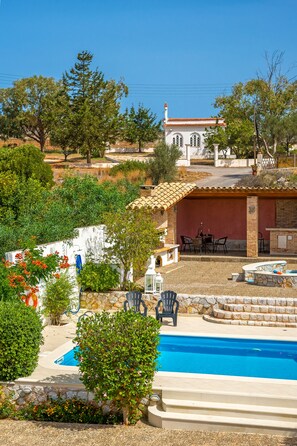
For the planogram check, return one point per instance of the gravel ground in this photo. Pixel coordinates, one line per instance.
(213, 278)
(20, 433)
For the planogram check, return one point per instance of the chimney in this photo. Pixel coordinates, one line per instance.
(147, 190)
(165, 113)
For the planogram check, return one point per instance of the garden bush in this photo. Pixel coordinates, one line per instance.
(26, 161)
(7, 408)
(57, 296)
(98, 277)
(71, 410)
(118, 358)
(20, 340)
(129, 166)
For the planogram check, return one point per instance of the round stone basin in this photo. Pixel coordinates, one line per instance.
(272, 274)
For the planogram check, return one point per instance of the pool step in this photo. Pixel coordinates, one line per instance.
(207, 410)
(270, 312)
(189, 421)
(230, 409)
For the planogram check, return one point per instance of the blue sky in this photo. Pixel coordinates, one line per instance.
(184, 53)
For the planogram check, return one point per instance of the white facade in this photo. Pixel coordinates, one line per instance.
(189, 132)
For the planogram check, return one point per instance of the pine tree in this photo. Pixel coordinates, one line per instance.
(141, 126)
(94, 104)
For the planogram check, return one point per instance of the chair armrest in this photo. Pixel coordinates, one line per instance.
(176, 304)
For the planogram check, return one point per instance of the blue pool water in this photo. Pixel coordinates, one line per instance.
(222, 356)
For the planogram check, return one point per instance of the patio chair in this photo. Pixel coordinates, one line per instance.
(135, 302)
(220, 242)
(207, 243)
(260, 242)
(186, 241)
(167, 306)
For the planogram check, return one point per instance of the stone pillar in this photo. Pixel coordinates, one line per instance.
(171, 228)
(252, 227)
(188, 155)
(216, 154)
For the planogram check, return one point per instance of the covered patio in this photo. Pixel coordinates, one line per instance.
(256, 221)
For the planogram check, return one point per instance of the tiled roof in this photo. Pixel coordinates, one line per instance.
(247, 188)
(163, 196)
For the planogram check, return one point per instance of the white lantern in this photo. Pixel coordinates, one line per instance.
(150, 277)
(159, 283)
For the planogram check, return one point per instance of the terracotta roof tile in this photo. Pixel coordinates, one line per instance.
(163, 196)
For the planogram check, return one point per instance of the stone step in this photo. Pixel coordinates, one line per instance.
(194, 421)
(249, 316)
(263, 323)
(271, 301)
(249, 308)
(227, 409)
(246, 395)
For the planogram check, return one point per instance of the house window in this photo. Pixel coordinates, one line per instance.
(195, 140)
(177, 140)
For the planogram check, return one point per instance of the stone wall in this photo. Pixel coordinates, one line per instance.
(27, 392)
(286, 213)
(114, 300)
(275, 280)
(23, 393)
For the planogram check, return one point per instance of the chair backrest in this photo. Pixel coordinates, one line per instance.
(134, 299)
(186, 239)
(168, 299)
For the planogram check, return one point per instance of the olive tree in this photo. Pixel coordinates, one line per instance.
(132, 236)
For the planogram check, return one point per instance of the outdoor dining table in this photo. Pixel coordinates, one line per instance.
(204, 243)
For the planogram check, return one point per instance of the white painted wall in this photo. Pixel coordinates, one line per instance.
(186, 132)
(234, 162)
(89, 241)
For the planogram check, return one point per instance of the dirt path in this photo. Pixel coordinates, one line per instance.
(20, 433)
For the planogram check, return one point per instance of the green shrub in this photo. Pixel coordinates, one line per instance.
(128, 166)
(7, 408)
(98, 277)
(26, 162)
(162, 168)
(118, 358)
(20, 340)
(132, 286)
(57, 296)
(71, 410)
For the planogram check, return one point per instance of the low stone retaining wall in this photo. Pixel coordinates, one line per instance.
(23, 393)
(114, 300)
(27, 392)
(283, 280)
(252, 268)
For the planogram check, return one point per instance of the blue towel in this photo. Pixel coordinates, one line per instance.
(78, 263)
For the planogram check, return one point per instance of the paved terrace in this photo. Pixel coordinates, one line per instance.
(206, 275)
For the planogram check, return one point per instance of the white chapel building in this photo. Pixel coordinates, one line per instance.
(188, 133)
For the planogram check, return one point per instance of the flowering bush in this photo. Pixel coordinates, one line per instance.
(20, 279)
(72, 410)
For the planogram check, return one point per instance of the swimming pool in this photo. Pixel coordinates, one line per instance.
(222, 356)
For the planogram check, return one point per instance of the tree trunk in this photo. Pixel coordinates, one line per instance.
(89, 159)
(42, 144)
(126, 416)
(139, 146)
